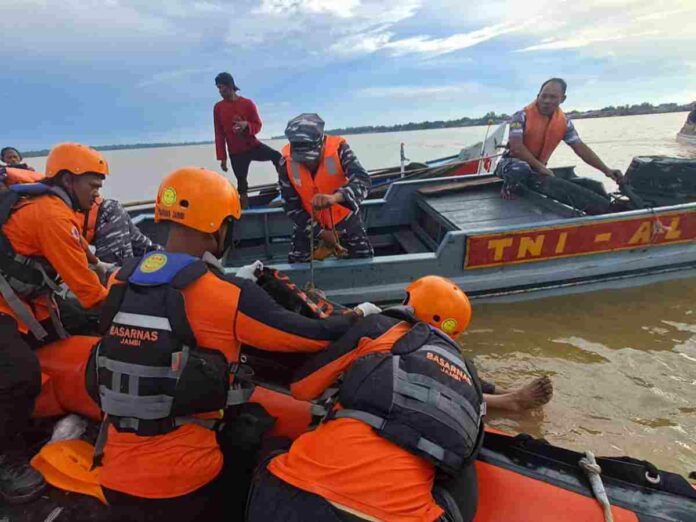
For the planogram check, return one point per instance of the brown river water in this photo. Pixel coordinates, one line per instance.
(623, 362)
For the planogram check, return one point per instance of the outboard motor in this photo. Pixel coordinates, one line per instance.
(662, 181)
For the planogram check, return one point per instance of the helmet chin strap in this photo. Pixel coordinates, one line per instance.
(70, 192)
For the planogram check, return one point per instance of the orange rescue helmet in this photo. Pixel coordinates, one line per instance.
(75, 158)
(197, 198)
(441, 303)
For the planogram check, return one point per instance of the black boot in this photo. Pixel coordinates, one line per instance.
(19, 482)
(244, 200)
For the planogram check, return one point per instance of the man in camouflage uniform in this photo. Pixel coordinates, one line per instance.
(116, 238)
(343, 231)
(531, 143)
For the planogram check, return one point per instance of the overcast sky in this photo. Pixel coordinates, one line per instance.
(124, 71)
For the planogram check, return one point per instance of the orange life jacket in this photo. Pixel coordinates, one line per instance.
(541, 133)
(328, 179)
(90, 222)
(15, 176)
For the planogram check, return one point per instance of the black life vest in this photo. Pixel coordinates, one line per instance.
(23, 277)
(148, 374)
(423, 396)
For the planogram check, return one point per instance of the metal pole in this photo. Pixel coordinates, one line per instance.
(483, 147)
(403, 160)
(311, 252)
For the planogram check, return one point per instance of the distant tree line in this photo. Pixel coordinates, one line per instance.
(44, 152)
(493, 118)
(488, 118)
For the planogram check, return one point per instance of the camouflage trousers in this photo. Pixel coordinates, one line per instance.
(583, 194)
(351, 234)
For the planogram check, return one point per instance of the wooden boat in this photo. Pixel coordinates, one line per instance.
(493, 248)
(479, 158)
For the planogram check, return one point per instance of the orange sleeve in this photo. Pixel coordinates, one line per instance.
(264, 324)
(376, 333)
(59, 240)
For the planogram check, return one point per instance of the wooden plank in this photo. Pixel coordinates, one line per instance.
(461, 186)
(410, 242)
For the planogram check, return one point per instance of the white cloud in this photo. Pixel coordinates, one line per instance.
(340, 8)
(456, 42)
(409, 91)
(174, 75)
(611, 27)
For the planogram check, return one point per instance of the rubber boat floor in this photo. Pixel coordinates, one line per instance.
(521, 479)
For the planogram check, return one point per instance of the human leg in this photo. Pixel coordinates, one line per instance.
(200, 505)
(240, 167)
(272, 499)
(353, 237)
(458, 495)
(20, 384)
(299, 247)
(531, 395)
(265, 153)
(514, 173)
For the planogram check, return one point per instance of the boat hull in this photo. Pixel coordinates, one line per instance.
(492, 248)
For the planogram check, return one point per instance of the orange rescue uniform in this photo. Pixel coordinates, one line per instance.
(45, 226)
(347, 463)
(223, 314)
(543, 134)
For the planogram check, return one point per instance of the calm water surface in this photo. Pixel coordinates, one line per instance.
(623, 361)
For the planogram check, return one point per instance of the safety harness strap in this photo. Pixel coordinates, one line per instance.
(21, 310)
(381, 424)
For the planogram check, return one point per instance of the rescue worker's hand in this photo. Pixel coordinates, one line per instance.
(329, 237)
(249, 271)
(545, 171)
(367, 308)
(616, 175)
(104, 270)
(223, 165)
(240, 126)
(321, 201)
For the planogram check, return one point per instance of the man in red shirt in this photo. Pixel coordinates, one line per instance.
(237, 122)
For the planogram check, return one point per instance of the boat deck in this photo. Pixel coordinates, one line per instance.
(485, 209)
(478, 207)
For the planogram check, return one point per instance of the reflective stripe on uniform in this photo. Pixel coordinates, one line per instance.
(143, 321)
(331, 167)
(370, 419)
(138, 370)
(432, 449)
(146, 407)
(296, 176)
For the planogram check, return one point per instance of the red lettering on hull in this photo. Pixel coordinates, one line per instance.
(523, 246)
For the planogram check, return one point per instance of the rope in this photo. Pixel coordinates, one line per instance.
(310, 283)
(339, 248)
(54, 514)
(589, 465)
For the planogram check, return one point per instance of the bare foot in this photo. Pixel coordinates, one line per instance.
(532, 395)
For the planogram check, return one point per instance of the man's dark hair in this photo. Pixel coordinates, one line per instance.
(559, 81)
(8, 149)
(225, 78)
